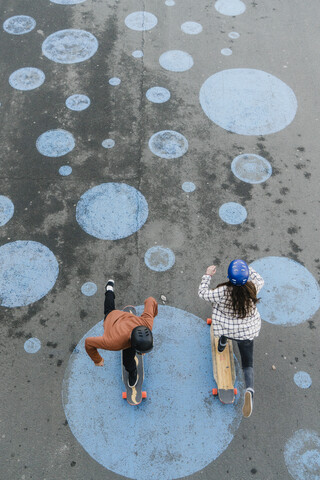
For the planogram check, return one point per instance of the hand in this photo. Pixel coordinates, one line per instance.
(211, 270)
(100, 364)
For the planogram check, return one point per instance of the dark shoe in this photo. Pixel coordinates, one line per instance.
(109, 285)
(133, 378)
(248, 403)
(221, 346)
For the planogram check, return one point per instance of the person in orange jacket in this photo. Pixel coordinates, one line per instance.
(124, 331)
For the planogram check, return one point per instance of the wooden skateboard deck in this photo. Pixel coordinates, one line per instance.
(223, 369)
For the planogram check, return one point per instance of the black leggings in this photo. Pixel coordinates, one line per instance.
(129, 353)
(246, 354)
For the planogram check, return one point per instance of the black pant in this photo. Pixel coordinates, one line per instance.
(129, 353)
(246, 354)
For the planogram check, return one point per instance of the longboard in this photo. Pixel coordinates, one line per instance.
(223, 369)
(135, 394)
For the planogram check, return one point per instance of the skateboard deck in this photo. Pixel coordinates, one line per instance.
(223, 369)
(133, 395)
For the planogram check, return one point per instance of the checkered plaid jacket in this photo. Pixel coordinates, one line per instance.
(224, 319)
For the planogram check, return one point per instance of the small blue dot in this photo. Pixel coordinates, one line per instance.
(233, 35)
(78, 102)
(232, 213)
(89, 289)
(137, 54)
(32, 345)
(302, 379)
(108, 143)
(158, 95)
(6, 210)
(188, 187)
(65, 170)
(159, 258)
(226, 51)
(114, 81)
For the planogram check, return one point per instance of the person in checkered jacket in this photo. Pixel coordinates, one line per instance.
(235, 315)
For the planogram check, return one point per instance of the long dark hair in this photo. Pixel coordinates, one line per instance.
(242, 297)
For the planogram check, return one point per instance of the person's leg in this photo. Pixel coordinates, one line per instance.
(109, 298)
(129, 363)
(246, 353)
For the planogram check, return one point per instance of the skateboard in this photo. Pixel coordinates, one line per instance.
(223, 369)
(133, 395)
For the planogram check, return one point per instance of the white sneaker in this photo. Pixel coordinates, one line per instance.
(248, 403)
(109, 285)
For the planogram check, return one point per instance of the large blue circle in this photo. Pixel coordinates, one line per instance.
(248, 101)
(302, 455)
(19, 24)
(6, 210)
(111, 211)
(291, 295)
(28, 271)
(27, 78)
(55, 143)
(178, 430)
(168, 144)
(70, 46)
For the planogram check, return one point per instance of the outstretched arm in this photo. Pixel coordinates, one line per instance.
(256, 279)
(91, 346)
(204, 291)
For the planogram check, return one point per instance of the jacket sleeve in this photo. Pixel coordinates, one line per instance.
(207, 293)
(256, 279)
(150, 311)
(91, 345)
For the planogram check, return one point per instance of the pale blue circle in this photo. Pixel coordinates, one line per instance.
(180, 417)
(89, 289)
(67, 2)
(226, 51)
(233, 35)
(6, 210)
(27, 78)
(302, 379)
(251, 168)
(32, 345)
(141, 21)
(78, 102)
(114, 81)
(170, 3)
(291, 295)
(65, 170)
(108, 143)
(230, 7)
(302, 455)
(137, 54)
(176, 61)
(188, 187)
(19, 24)
(232, 213)
(159, 258)
(28, 271)
(191, 28)
(168, 144)
(248, 101)
(158, 95)
(55, 143)
(70, 46)
(111, 211)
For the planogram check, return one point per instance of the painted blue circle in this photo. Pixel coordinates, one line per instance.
(78, 102)
(188, 187)
(168, 144)
(251, 168)
(32, 345)
(6, 210)
(55, 143)
(114, 81)
(65, 170)
(302, 455)
(176, 61)
(159, 258)
(141, 21)
(233, 35)
(230, 7)
(111, 211)
(67, 2)
(70, 46)
(137, 54)
(158, 95)
(177, 423)
(302, 379)
(170, 3)
(290, 295)
(27, 78)
(108, 143)
(19, 24)
(89, 289)
(226, 51)
(232, 213)
(248, 101)
(191, 28)
(28, 271)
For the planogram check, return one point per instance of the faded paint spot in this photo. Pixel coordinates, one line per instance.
(19, 24)
(191, 28)
(6, 210)
(230, 7)
(251, 168)
(108, 143)
(302, 455)
(302, 379)
(188, 187)
(176, 61)
(137, 54)
(170, 3)
(55, 143)
(158, 95)
(32, 345)
(89, 289)
(65, 170)
(141, 21)
(78, 102)
(70, 46)
(233, 35)
(168, 144)
(232, 213)
(226, 51)
(114, 81)
(159, 258)
(27, 78)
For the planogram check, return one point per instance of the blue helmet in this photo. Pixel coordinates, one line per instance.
(238, 272)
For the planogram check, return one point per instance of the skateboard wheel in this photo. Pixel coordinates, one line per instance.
(235, 391)
(124, 395)
(214, 391)
(209, 321)
(144, 394)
